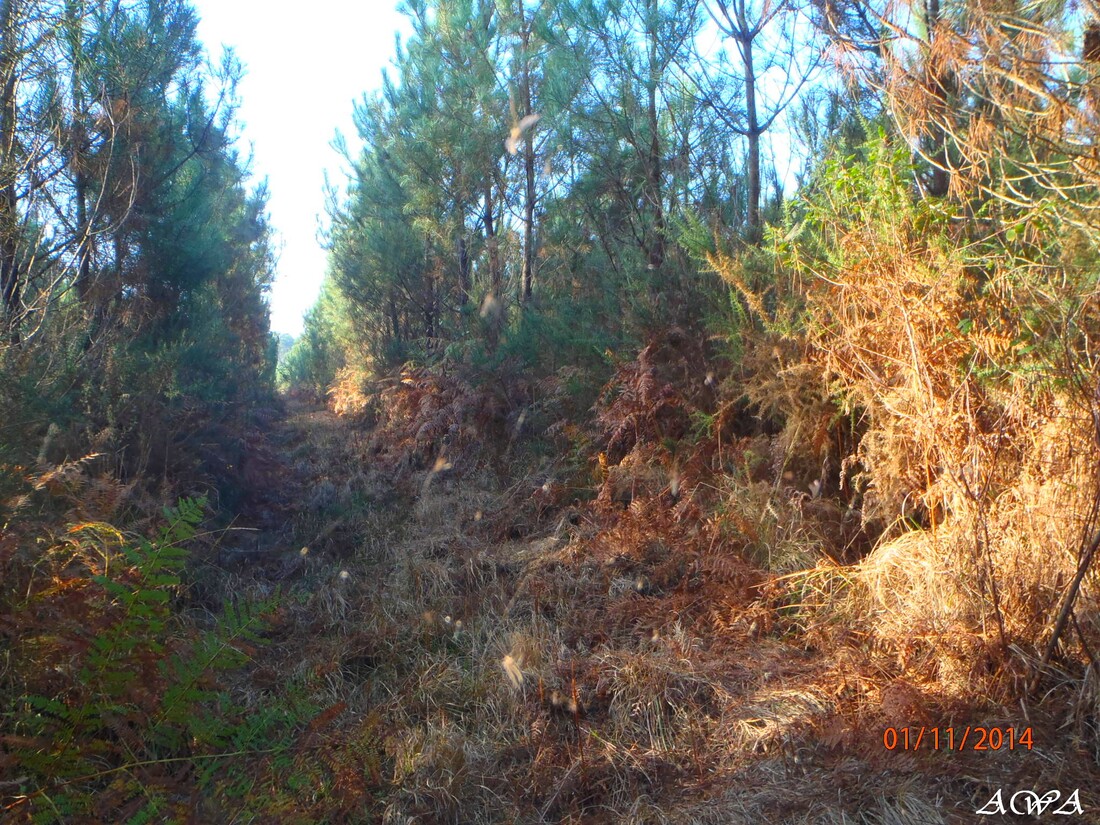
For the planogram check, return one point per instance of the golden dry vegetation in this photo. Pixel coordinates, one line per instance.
(618, 475)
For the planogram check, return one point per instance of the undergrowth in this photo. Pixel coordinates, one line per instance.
(116, 707)
(700, 599)
(744, 562)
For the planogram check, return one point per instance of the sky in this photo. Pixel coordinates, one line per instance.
(306, 64)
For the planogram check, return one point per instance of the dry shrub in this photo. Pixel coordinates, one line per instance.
(431, 419)
(654, 696)
(431, 767)
(966, 363)
(642, 473)
(782, 383)
(654, 453)
(769, 798)
(670, 430)
(348, 395)
(775, 530)
(952, 601)
(652, 398)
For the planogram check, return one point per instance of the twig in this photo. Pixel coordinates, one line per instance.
(1067, 608)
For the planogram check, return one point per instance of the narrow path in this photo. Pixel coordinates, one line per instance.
(445, 674)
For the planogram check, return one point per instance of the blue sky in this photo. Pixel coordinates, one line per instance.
(306, 63)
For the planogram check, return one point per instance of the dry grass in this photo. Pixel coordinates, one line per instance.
(633, 660)
(506, 697)
(976, 442)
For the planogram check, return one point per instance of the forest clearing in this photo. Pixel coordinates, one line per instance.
(699, 422)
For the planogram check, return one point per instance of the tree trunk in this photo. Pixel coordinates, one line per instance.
(10, 276)
(83, 224)
(529, 258)
(753, 133)
(429, 289)
(79, 137)
(939, 82)
(463, 270)
(656, 196)
(84, 249)
(527, 277)
(492, 243)
(395, 328)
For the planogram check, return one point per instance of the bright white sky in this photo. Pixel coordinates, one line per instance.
(306, 63)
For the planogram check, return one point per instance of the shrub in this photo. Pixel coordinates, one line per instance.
(114, 698)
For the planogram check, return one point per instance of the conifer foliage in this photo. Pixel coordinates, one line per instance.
(712, 384)
(134, 351)
(131, 246)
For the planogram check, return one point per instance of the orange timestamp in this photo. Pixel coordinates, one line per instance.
(974, 738)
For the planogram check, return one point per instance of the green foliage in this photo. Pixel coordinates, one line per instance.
(1013, 287)
(316, 356)
(521, 192)
(135, 258)
(139, 689)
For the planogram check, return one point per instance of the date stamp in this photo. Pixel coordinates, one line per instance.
(975, 738)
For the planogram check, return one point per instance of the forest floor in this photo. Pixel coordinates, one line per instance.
(466, 656)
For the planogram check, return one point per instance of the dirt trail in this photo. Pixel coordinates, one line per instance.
(458, 675)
